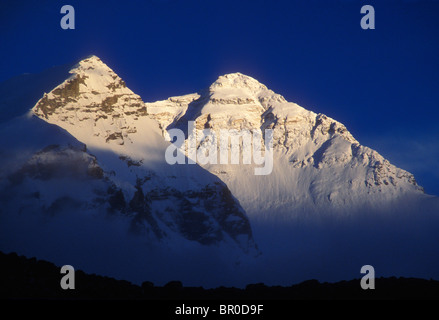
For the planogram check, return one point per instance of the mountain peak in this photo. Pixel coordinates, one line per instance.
(237, 80)
(93, 67)
(91, 59)
(93, 102)
(92, 56)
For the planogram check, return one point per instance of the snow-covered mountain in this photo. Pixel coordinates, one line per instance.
(87, 148)
(318, 164)
(329, 204)
(84, 181)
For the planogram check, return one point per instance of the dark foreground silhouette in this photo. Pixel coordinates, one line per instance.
(24, 278)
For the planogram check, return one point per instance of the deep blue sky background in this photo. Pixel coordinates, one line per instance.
(383, 84)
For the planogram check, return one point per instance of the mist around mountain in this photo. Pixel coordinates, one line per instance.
(84, 181)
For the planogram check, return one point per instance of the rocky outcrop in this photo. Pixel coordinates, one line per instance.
(97, 98)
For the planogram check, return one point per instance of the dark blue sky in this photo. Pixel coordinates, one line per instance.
(383, 84)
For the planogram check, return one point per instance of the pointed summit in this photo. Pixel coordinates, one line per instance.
(92, 64)
(238, 81)
(97, 75)
(93, 102)
(90, 79)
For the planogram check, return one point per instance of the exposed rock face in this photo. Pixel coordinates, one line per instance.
(168, 111)
(94, 97)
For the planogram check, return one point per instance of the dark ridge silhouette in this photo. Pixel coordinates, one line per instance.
(29, 278)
